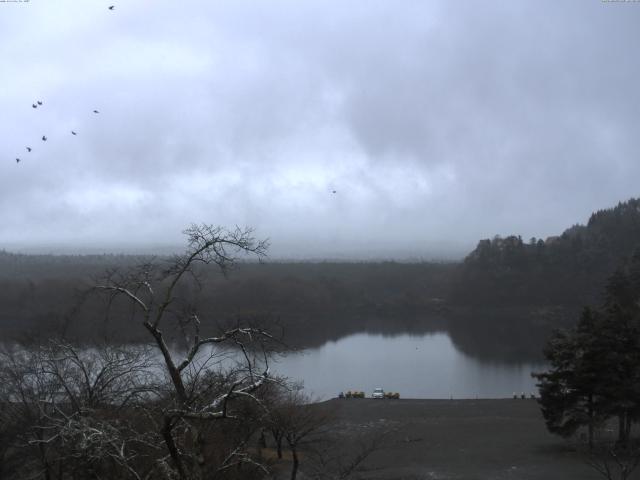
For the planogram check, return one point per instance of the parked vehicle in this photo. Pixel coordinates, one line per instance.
(354, 394)
(378, 392)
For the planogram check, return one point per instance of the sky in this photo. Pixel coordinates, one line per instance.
(436, 123)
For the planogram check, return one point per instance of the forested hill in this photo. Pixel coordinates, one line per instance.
(570, 269)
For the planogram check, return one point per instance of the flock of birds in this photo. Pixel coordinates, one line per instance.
(40, 103)
(44, 138)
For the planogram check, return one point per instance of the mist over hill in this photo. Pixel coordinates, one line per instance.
(507, 291)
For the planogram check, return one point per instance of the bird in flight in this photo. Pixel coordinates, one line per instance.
(17, 160)
(44, 138)
(73, 133)
(111, 7)
(33, 105)
(96, 111)
(39, 102)
(28, 149)
(334, 191)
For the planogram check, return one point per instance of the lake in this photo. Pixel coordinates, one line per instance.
(416, 366)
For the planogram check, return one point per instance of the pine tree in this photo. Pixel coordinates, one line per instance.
(595, 367)
(569, 391)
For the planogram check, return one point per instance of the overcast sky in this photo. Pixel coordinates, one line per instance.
(436, 123)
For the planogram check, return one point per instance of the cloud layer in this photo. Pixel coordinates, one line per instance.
(436, 123)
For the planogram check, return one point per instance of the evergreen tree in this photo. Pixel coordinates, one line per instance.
(595, 367)
(569, 391)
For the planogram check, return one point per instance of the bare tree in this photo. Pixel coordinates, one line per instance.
(275, 396)
(203, 388)
(342, 458)
(26, 392)
(12, 420)
(614, 461)
(91, 377)
(298, 421)
(167, 410)
(67, 406)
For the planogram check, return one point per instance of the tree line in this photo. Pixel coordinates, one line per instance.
(569, 269)
(311, 300)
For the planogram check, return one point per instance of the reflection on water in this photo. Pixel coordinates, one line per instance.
(423, 366)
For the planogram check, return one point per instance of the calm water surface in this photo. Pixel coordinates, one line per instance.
(425, 366)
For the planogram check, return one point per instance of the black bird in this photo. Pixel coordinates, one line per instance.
(17, 160)
(73, 133)
(44, 138)
(334, 191)
(39, 102)
(28, 149)
(33, 105)
(96, 111)
(112, 7)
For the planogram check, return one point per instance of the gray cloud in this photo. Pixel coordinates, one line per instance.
(437, 123)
